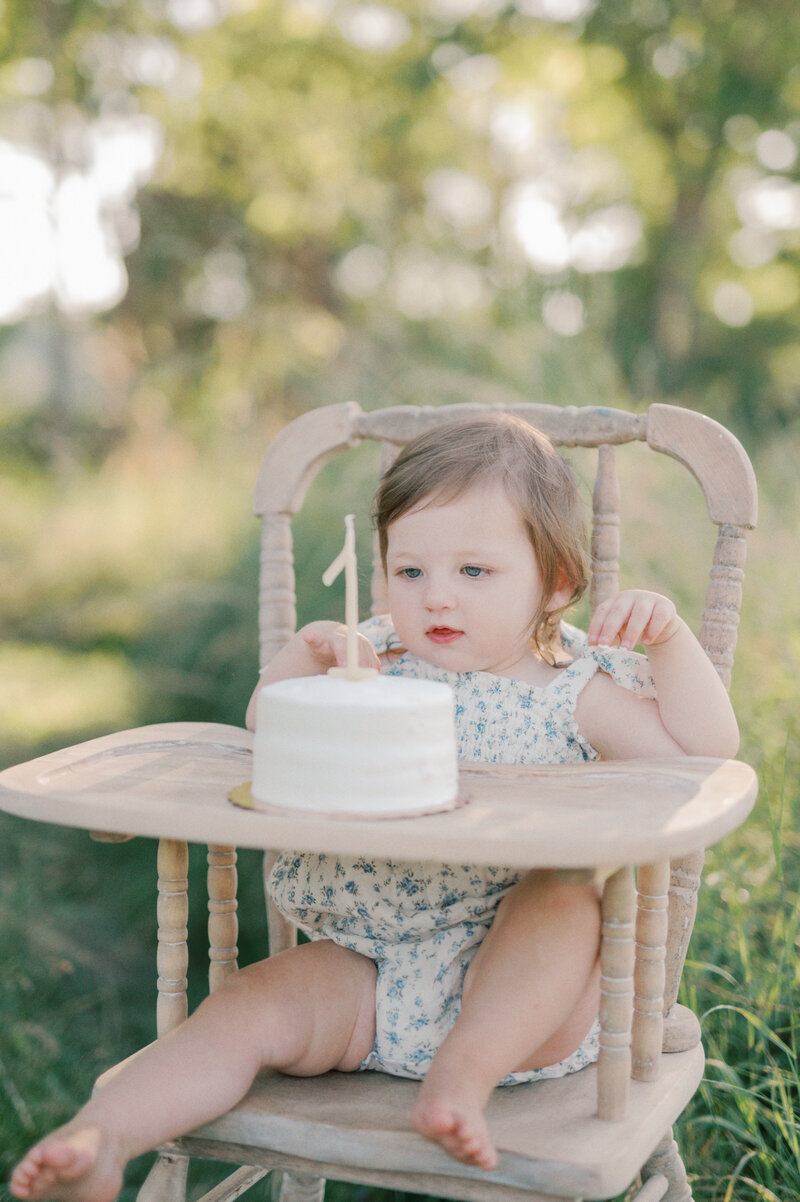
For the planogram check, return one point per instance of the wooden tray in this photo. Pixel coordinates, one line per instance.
(173, 780)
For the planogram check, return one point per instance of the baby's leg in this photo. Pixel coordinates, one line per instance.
(305, 1011)
(530, 997)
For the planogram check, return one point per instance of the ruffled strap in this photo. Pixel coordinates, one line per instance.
(628, 669)
(381, 634)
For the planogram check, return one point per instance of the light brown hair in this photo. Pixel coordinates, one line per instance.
(446, 462)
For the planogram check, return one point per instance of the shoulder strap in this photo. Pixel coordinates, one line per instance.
(628, 669)
(381, 634)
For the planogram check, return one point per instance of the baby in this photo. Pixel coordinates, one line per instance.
(460, 976)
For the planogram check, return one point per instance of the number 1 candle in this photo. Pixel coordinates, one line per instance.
(346, 560)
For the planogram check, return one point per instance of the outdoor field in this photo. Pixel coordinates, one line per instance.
(219, 214)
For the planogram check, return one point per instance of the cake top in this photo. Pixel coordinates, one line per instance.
(375, 693)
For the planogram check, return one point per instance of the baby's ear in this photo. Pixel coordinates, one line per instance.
(563, 591)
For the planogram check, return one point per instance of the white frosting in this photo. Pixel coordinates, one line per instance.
(381, 746)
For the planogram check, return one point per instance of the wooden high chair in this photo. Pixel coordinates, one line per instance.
(584, 1136)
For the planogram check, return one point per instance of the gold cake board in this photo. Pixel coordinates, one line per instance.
(242, 796)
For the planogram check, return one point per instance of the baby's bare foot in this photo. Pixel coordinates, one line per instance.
(75, 1164)
(454, 1118)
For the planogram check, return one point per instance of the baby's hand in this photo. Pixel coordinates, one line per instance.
(634, 616)
(329, 647)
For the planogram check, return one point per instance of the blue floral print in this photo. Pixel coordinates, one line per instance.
(423, 922)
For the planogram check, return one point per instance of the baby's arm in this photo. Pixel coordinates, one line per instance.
(310, 652)
(692, 714)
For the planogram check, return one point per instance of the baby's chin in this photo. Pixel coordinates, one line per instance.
(459, 657)
(450, 656)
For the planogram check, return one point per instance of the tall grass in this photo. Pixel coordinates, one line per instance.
(742, 1132)
(77, 937)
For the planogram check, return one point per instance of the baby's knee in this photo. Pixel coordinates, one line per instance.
(292, 979)
(237, 994)
(576, 898)
(548, 895)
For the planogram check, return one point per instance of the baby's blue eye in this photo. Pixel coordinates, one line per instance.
(471, 570)
(410, 573)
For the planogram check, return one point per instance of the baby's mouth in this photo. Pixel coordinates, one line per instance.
(443, 634)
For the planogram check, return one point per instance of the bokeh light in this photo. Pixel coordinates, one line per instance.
(64, 229)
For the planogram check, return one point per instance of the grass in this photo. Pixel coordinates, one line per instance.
(741, 1133)
(69, 1011)
(77, 939)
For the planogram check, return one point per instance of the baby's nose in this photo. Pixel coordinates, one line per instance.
(438, 595)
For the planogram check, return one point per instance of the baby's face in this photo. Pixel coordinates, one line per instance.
(464, 583)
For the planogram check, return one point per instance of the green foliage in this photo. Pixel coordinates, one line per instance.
(330, 222)
(78, 988)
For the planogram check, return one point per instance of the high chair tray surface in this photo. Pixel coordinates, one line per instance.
(172, 781)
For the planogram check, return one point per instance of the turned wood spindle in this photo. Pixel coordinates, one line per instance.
(277, 621)
(616, 994)
(276, 595)
(648, 973)
(718, 639)
(223, 925)
(290, 1186)
(605, 528)
(666, 1162)
(723, 599)
(172, 958)
(683, 889)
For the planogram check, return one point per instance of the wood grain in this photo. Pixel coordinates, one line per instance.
(172, 780)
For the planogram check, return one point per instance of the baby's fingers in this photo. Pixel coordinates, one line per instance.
(639, 616)
(315, 640)
(367, 655)
(322, 647)
(634, 616)
(331, 649)
(609, 620)
(337, 643)
(652, 619)
(664, 621)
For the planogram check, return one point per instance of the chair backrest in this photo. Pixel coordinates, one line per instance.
(710, 452)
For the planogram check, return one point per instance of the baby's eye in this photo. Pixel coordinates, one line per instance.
(472, 570)
(410, 573)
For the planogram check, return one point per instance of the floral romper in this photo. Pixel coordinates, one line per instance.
(422, 922)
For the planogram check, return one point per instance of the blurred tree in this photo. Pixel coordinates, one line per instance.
(407, 202)
(215, 214)
(218, 213)
(710, 315)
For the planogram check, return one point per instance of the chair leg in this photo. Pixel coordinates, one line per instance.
(297, 1187)
(166, 1181)
(667, 1162)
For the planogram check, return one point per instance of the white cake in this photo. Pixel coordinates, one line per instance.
(378, 747)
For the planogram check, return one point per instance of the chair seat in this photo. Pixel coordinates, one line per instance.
(357, 1127)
